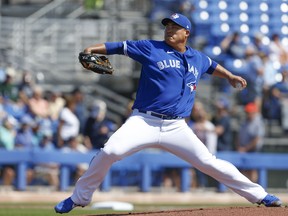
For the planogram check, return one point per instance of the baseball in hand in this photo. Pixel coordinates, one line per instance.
(239, 86)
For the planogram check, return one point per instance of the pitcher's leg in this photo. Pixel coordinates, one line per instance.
(92, 178)
(228, 174)
(185, 144)
(124, 142)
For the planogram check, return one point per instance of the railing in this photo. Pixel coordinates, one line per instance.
(51, 47)
(45, 10)
(142, 162)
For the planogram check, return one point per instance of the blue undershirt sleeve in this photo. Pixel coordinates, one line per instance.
(212, 67)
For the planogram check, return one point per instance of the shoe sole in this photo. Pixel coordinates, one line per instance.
(276, 204)
(57, 211)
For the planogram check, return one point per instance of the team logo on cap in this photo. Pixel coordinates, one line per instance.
(174, 16)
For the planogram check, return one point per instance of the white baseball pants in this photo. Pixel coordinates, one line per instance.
(142, 131)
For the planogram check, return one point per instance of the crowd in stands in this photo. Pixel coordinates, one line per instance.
(265, 67)
(34, 118)
(31, 117)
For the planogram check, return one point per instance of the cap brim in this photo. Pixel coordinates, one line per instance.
(165, 21)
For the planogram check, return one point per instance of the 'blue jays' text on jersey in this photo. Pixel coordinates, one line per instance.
(168, 78)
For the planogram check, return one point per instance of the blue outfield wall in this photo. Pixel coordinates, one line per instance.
(142, 162)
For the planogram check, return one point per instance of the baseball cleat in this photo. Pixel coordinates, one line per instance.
(271, 201)
(65, 206)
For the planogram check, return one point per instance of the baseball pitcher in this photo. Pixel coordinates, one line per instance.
(170, 74)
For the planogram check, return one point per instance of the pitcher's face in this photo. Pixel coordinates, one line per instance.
(175, 34)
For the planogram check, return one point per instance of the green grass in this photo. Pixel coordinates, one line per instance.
(33, 209)
(41, 210)
(47, 209)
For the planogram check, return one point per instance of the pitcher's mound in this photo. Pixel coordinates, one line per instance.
(225, 211)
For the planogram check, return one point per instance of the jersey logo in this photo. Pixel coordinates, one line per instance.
(193, 70)
(168, 63)
(169, 52)
(192, 86)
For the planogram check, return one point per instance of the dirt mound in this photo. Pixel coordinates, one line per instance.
(225, 211)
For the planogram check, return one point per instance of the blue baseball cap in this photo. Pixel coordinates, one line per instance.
(179, 19)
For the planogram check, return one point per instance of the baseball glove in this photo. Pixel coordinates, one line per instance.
(95, 63)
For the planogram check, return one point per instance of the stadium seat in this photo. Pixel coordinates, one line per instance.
(220, 29)
(235, 65)
(214, 52)
(202, 17)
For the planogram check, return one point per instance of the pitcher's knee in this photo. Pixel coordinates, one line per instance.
(206, 164)
(112, 155)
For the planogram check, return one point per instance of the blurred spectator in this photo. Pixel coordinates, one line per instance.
(251, 135)
(17, 108)
(38, 105)
(257, 44)
(47, 172)
(80, 107)
(278, 51)
(8, 175)
(39, 128)
(222, 122)
(44, 126)
(254, 76)
(98, 128)
(282, 86)
(232, 46)
(204, 129)
(2, 110)
(271, 105)
(7, 136)
(75, 144)
(277, 105)
(46, 142)
(270, 74)
(25, 137)
(8, 133)
(26, 85)
(8, 89)
(252, 131)
(69, 124)
(55, 103)
(10, 70)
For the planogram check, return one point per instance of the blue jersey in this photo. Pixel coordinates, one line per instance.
(169, 78)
